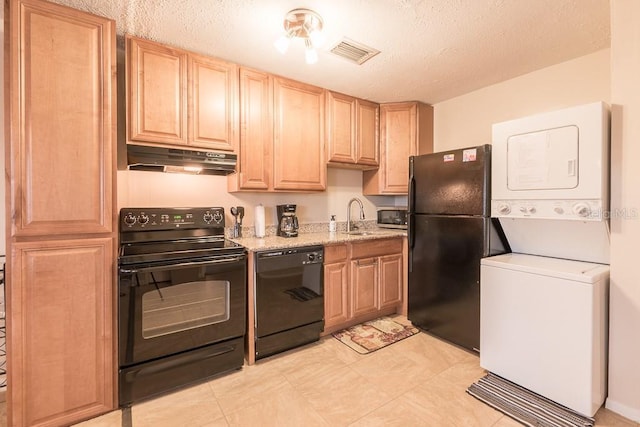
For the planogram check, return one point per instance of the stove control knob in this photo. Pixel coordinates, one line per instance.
(531, 209)
(311, 257)
(504, 209)
(208, 217)
(129, 219)
(581, 209)
(558, 210)
(143, 219)
(217, 217)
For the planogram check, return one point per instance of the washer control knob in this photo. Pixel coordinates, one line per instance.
(130, 219)
(143, 219)
(531, 209)
(581, 209)
(558, 210)
(207, 217)
(504, 209)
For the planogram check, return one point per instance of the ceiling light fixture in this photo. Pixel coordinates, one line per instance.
(306, 25)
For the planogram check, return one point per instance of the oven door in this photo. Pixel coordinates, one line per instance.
(168, 308)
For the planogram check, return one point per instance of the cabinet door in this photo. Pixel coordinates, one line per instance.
(398, 128)
(61, 76)
(341, 128)
(254, 168)
(406, 129)
(336, 294)
(298, 161)
(213, 107)
(390, 280)
(61, 351)
(364, 282)
(157, 93)
(368, 140)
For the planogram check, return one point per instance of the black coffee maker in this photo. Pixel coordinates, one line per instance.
(287, 221)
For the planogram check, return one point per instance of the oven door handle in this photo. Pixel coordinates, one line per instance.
(183, 264)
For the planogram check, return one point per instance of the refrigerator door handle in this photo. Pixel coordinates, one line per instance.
(410, 230)
(412, 187)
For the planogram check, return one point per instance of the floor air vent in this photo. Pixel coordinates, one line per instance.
(354, 51)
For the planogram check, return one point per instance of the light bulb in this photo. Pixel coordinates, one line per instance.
(310, 54)
(317, 38)
(282, 44)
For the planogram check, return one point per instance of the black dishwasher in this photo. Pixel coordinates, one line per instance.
(289, 298)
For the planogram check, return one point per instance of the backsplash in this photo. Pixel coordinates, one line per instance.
(316, 227)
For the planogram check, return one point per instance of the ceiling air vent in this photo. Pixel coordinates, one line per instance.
(354, 51)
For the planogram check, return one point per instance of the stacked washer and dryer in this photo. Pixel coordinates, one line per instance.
(544, 307)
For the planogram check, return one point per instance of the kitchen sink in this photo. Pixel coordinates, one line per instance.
(362, 233)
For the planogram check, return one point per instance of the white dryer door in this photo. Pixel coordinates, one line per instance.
(543, 160)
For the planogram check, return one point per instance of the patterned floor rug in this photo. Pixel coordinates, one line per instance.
(523, 405)
(374, 335)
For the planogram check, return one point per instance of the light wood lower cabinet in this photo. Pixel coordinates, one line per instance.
(363, 280)
(62, 367)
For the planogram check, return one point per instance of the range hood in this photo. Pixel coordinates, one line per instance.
(203, 162)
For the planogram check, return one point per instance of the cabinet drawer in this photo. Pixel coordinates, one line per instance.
(335, 253)
(378, 247)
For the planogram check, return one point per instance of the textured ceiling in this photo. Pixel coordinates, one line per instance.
(431, 50)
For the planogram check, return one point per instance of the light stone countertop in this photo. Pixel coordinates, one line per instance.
(254, 244)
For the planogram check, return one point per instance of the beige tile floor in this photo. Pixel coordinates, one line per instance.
(420, 381)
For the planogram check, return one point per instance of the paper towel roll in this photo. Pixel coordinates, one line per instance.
(259, 221)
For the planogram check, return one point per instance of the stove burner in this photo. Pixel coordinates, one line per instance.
(150, 235)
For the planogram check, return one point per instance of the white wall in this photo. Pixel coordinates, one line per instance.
(466, 120)
(624, 307)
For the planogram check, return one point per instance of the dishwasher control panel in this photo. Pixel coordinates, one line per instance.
(290, 257)
(313, 258)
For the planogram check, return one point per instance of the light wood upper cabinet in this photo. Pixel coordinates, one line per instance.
(178, 98)
(352, 132)
(298, 153)
(341, 128)
(406, 129)
(255, 159)
(213, 109)
(61, 133)
(368, 139)
(281, 137)
(157, 93)
(60, 141)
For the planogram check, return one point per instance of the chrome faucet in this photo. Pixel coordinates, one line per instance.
(355, 199)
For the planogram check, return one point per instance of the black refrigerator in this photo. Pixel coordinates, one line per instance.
(449, 231)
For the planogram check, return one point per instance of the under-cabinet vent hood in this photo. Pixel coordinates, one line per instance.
(146, 158)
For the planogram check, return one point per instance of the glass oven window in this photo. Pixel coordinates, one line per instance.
(185, 306)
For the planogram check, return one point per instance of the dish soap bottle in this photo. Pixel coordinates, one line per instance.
(332, 224)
